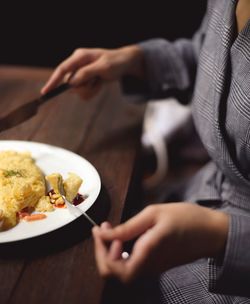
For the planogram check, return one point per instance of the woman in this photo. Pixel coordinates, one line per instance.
(207, 247)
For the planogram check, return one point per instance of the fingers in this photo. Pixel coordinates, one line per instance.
(101, 252)
(58, 75)
(86, 75)
(88, 91)
(110, 262)
(109, 258)
(115, 250)
(139, 262)
(132, 228)
(70, 65)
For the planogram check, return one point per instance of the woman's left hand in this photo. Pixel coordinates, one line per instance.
(167, 235)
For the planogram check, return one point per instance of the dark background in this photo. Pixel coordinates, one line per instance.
(43, 33)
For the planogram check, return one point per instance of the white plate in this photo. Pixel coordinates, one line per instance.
(53, 159)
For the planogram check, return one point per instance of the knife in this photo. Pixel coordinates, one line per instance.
(29, 109)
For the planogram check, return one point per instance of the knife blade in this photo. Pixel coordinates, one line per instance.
(29, 109)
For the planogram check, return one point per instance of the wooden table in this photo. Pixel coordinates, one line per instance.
(59, 267)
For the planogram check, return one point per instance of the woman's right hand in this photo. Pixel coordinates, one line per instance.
(89, 67)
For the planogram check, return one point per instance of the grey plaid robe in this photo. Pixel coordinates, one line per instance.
(213, 71)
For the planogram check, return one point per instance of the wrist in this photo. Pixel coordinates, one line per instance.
(136, 66)
(219, 225)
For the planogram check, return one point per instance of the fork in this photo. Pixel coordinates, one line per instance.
(74, 210)
(77, 211)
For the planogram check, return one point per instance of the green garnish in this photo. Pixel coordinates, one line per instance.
(9, 173)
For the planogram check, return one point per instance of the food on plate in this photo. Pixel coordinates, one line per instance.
(56, 199)
(22, 184)
(34, 217)
(56, 182)
(71, 186)
(23, 190)
(44, 204)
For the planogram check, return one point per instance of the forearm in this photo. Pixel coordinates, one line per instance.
(218, 226)
(136, 63)
(201, 230)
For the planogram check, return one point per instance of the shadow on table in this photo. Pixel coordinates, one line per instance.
(62, 238)
(141, 291)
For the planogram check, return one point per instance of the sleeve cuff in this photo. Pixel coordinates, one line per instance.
(160, 67)
(170, 68)
(230, 273)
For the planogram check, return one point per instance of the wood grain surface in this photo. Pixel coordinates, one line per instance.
(59, 267)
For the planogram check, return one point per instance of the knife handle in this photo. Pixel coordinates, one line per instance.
(60, 89)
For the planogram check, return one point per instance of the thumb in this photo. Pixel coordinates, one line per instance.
(130, 229)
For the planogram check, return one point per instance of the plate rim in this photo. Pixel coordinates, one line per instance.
(64, 150)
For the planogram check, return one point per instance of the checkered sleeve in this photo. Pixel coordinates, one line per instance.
(170, 67)
(230, 274)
